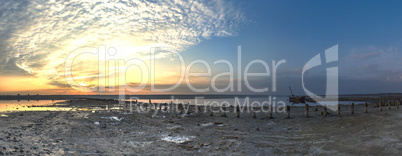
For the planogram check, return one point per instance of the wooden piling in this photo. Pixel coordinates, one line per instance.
(171, 107)
(237, 111)
(398, 103)
(270, 112)
(306, 110)
(199, 108)
(287, 112)
(389, 105)
(352, 108)
(380, 106)
(365, 107)
(338, 112)
(253, 115)
(181, 108)
(223, 112)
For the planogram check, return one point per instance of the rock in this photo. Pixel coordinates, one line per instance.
(257, 129)
(190, 146)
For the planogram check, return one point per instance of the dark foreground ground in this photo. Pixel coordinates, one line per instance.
(82, 131)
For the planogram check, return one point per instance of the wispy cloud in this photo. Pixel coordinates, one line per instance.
(373, 63)
(37, 35)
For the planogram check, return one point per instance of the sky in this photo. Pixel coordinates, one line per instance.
(192, 47)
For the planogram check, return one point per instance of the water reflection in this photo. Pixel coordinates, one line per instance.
(31, 105)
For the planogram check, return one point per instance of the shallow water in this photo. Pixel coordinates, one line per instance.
(252, 101)
(32, 105)
(56, 105)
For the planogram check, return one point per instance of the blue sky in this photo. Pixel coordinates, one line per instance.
(37, 36)
(368, 34)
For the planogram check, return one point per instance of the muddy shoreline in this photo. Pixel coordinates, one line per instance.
(83, 131)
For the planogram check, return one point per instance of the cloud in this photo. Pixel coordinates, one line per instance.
(37, 35)
(373, 63)
(370, 66)
(365, 53)
(59, 84)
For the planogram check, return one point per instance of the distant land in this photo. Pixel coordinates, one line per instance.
(176, 96)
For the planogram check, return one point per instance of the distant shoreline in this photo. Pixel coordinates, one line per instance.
(343, 97)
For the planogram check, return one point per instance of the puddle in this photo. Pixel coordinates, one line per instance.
(47, 105)
(270, 123)
(113, 118)
(207, 124)
(32, 105)
(178, 139)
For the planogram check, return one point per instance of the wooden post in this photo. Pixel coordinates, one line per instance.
(398, 103)
(199, 108)
(253, 115)
(211, 113)
(171, 108)
(325, 111)
(338, 112)
(380, 105)
(287, 112)
(187, 111)
(182, 108)
(238, 111)
(270, 112)
(223, 112)
(146, 106)
(389, 105)
(306, 110)
(352, 108)
(365, 107)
